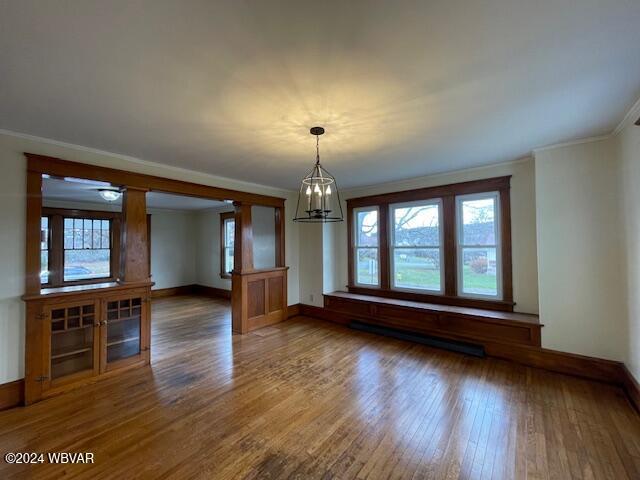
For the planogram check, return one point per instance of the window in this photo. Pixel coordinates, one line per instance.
(78, 246)
(366, 247)
(44, 250)
(448, 244)
(227, 235)
(478, 245)
(87, 249)
(416, 247)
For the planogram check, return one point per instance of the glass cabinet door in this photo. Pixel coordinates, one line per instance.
(122, 329)
(73, 344)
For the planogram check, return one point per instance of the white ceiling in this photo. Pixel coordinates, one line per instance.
(403, 88)
(54, 189)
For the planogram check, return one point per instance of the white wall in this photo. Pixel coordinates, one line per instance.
(208, 249)
(579, 244)
(173, 248)
(523, 227)
(13, 217)
(628, 145)
(263, 221)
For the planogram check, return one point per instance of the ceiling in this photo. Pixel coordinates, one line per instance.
(403, 88)
(84, 191)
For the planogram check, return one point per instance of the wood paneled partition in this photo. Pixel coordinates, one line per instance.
(77, 333)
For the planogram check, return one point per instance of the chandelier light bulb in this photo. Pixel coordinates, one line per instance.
(308, 192)
(328, 190)
(316, 189)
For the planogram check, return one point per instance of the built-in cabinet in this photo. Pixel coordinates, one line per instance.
(76, 337)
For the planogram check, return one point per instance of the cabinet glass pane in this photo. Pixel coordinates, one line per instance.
(71, 340)
(124, 319)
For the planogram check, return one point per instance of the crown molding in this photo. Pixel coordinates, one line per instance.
(629, 119)
(247, 186)
(571, 143)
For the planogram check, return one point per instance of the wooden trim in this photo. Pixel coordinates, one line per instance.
(32, 250)
(464, 188)
(194, 289)
(450, 247)
(134, 254)
(211, 291)
(172, 291)
(64, 168)
(294, 310)
(631, 387)
(447, 194)
(350, 246)
(224, 216)
(78, 213)
(11, 394)
(383, 248)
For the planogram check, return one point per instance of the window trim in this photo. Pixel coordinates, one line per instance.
(392, 207)
(224, 217)
(447, 194)
(498, 245)
(355, 247)
(56, 245)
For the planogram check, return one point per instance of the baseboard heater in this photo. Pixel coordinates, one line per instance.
(453, 345)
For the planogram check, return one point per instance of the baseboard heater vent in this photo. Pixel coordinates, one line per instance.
(453, 345)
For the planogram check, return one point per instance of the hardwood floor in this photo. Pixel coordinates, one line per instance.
(308, 399)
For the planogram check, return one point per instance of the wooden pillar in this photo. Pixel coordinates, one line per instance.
(242, 264)
(134, 258)
(34, 213)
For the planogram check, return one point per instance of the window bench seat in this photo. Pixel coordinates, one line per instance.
(458, 323)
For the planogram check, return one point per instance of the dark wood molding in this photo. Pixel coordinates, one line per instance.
(447, 195)
(11, 394)
(172, 291)
(32, 250)
(294, 310)
(211, 291)
(464, 188)
(64, 168)
(224, 216)
(134, 251)
(631, 387)
(193, 289)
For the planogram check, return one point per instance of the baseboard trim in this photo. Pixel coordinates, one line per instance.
(293, 310)
(170, 292)
(191, 290)
(211, 291)
(11, 394)
(592, 368)
(632, 388)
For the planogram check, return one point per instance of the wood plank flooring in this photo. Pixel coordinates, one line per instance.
(306, 399)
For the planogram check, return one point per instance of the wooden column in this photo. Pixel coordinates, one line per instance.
(242, 264)
(34, 212)
(134, 255)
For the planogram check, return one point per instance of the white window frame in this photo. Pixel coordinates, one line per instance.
(356, 247)
(392, 246)
(498, 245)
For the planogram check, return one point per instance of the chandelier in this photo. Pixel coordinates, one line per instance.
(318, 199)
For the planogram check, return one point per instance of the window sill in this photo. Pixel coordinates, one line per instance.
(498, 305)
(225, 275)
